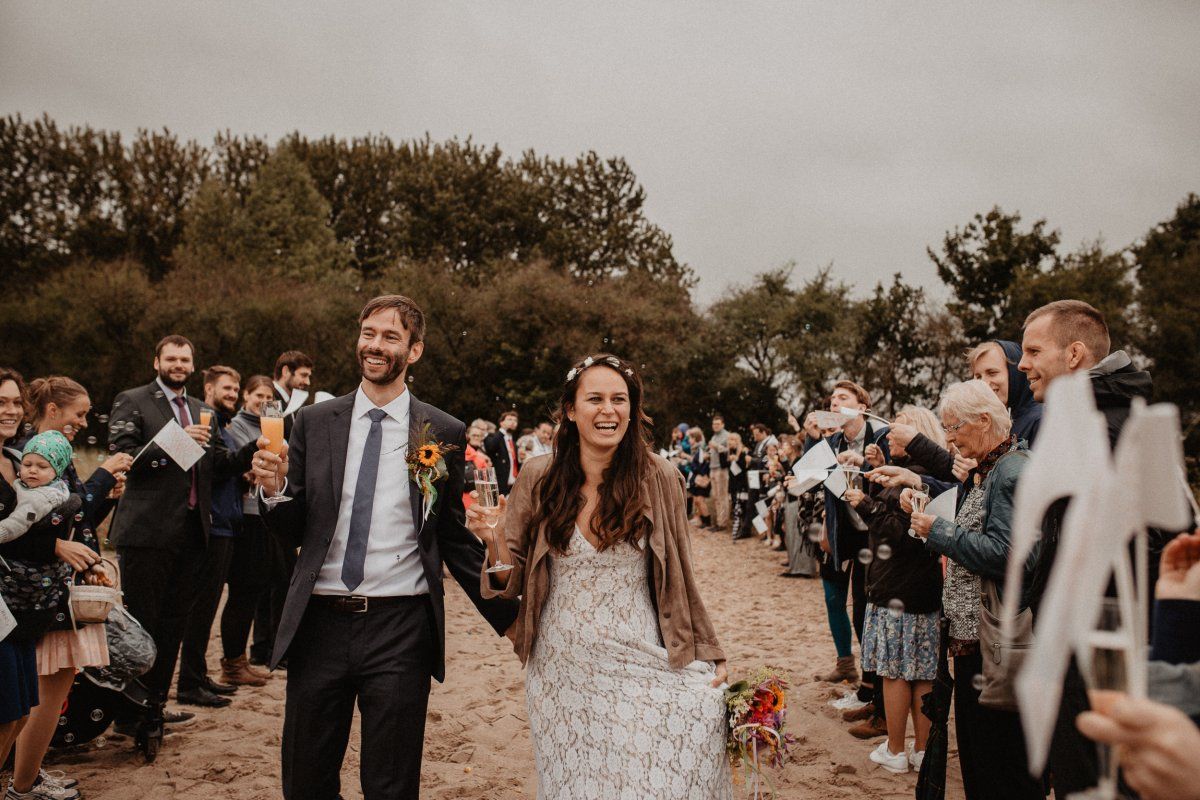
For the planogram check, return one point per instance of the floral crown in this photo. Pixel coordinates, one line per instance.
(610, 361)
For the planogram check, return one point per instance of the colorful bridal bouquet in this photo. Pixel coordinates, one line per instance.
(756, 710)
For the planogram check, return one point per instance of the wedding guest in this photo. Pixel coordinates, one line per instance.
(699, 483)
(501, 447)
(737, 461)
(61, 404)
(293, 370)
(253, 557)
(843, 574)
(543, 444)
(39, 561)
(18, 654)
(196, 687)
(164, 521)
(995, 363)
(1061, 338)
(474, 458)
(991, 744)
(718, 473)
(904, 592)
(800, 513)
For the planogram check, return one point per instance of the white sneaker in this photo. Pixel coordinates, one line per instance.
(42, 790)
(58, 778)
(892, 762)
(848, 702)
(915, 757)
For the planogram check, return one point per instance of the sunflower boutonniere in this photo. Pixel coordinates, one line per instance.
(427, 465)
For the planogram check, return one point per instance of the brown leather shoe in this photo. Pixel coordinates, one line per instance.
(844, 670)
(869, 729)
(239, 672)
(859, 714)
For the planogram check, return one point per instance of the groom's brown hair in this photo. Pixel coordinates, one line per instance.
(412, 318)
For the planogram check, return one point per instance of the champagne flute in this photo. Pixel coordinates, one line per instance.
(919, 499)
(270, 419)
(1107, 669)
(206, 421)
(487, 491)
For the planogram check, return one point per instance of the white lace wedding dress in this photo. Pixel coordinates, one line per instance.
(609, 717)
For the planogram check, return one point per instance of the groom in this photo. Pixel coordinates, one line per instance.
(364, 612)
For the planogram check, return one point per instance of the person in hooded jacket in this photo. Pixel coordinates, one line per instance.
(995, 363)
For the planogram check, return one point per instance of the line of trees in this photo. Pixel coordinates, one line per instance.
(522, 264)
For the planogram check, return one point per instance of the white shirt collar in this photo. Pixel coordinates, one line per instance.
(397, 409)
(170, 393)
(287, 396)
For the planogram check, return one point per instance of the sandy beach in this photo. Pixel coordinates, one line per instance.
(477, 741)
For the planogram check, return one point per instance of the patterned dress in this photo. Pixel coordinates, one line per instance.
(609, 717)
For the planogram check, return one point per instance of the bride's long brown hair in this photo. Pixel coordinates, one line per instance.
(559, 492)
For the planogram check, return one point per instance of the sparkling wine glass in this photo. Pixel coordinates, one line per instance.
(487, 497)
(920, 499)
(270, 419)
(1110, 648)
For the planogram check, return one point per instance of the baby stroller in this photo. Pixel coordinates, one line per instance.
(100, 692)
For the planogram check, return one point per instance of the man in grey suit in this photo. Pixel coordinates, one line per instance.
(163, 520)
(364, 619)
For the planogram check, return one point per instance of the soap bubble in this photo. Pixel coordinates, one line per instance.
(977, 683)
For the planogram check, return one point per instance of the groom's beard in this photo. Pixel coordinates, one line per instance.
(394, 367)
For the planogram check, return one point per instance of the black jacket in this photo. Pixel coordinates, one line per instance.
(317, 462)
(497, 450)
(911, 573)
(153, 510)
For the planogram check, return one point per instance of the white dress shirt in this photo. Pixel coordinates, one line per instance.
(393, 561)
(284, 393)
(510, 447)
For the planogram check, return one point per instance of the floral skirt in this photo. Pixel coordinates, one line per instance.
(900, 645)
(86, 647)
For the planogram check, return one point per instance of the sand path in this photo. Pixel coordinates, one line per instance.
(477, 741)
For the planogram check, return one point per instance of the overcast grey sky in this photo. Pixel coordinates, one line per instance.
(851, 133)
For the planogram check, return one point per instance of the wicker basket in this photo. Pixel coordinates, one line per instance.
(91, 604)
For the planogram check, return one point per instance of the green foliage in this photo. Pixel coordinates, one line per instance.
(1168, 296)
(1090, 274)
(981, 262)
(522, 265)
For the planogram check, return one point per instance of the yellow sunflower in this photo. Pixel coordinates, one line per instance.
(429, 455)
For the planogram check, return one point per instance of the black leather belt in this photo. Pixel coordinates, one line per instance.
(357, 604)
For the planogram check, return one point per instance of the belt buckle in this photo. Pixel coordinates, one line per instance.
(357, 604)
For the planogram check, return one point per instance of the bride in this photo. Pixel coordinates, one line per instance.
(624, 673)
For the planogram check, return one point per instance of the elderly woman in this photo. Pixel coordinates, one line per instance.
(991, 745)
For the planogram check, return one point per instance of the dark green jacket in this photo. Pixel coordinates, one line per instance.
(986, 553)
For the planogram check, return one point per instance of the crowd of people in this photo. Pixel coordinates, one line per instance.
(915, 585)
(181, 537)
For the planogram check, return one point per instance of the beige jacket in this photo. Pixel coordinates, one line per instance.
(686, 630)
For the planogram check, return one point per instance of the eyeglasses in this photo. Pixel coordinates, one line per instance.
(954, 428)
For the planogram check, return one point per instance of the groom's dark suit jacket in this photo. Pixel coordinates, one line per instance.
(316, 468)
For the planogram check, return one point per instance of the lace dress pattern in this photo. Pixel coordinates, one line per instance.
(608, 716)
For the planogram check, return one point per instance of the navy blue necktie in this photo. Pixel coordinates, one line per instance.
(364, 499)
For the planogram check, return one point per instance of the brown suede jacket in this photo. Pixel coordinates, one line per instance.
(686, 630)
